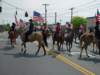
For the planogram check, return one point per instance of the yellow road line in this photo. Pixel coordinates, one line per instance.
(74, 65)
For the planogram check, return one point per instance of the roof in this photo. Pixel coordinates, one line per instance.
(91, 17)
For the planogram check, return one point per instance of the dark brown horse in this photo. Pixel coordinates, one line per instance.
(69, 40)
(85, 40)
(59, 38)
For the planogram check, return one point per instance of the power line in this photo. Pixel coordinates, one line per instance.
(11, 5)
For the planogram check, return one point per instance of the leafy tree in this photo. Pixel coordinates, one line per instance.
(77, 21)
(6, 27)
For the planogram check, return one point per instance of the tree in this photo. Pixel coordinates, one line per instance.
(6, 27)
(77, 21)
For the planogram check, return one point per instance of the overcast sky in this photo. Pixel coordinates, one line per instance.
(84, 8)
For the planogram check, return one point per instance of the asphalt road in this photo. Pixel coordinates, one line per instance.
(12, 62)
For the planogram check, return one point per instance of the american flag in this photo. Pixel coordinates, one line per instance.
(37, 17)
(98, 16)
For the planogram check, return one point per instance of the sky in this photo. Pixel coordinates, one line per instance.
(84, 8)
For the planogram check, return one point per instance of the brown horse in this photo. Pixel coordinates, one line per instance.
(59, 38)
(12, 35)
(35, 36)
(85, 40)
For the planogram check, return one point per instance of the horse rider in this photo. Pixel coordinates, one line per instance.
(58, 29)
(81, 30)
(31, 26)
(13, 27)
(68, 27)
(97, 31)
(44, 31)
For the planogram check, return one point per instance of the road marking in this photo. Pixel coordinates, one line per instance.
(69, 62)
(74, 65)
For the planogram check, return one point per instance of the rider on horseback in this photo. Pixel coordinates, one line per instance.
(13, 27)
(58, 29)
(81, 30)
(97, 31)
(31, 26)
(69, 27)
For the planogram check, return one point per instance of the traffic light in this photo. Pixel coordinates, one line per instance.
(0, 9)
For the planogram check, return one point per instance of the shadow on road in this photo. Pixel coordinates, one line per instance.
(6, 48)
(19, 55)
(95, 60)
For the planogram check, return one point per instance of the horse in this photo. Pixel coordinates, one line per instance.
(59, 38)
(34, 36)
(85, 40)
(69, 40)
(12, 35)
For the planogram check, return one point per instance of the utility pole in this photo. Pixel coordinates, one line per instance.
(55, 18)
(71, 13)
(45, 5)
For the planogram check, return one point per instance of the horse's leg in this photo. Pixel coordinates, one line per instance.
(99, 46)
(45, 41)
(53, 43)
(24, 48)
(62, 45)
(86, 51)
(70, 46)
(81, 52)
(23, 45)
(67, 45)
(39, 46)
(12, 44)
(82, 47)
(75, 38)
(58, 45)
(44, 49)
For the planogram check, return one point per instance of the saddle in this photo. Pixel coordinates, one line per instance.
(27, 34)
